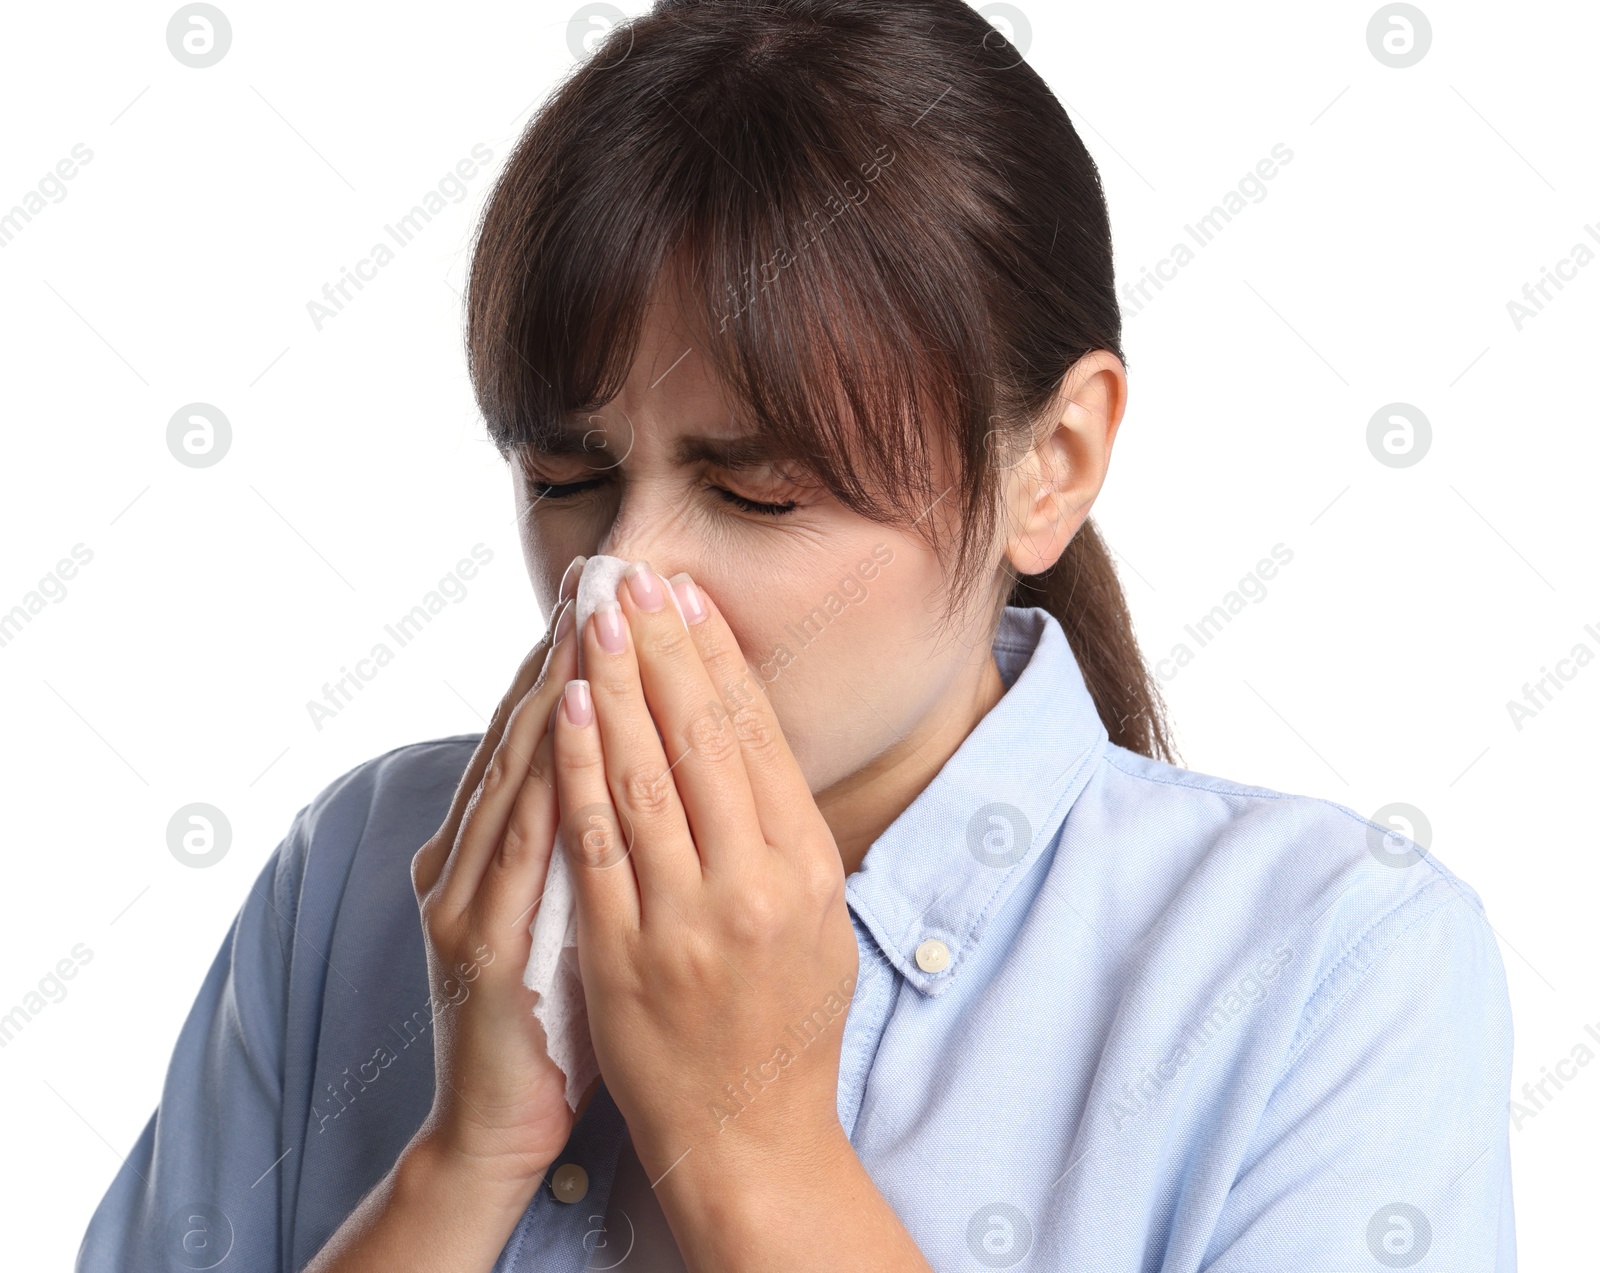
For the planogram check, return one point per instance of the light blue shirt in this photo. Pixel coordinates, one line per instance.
(1182, 1025)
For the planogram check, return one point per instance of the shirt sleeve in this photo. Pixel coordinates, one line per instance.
(1385, 1143)
(200, 1187)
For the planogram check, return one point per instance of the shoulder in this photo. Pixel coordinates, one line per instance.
(1306, 995)
(391, 803)
(1261, 830)
(414, 773)
(1346, 898)
(341, 896)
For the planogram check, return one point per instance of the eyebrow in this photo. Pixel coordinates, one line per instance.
(740, 452)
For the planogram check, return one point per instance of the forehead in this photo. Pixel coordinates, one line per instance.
(672, 400)
(683, 440)
(671, 384)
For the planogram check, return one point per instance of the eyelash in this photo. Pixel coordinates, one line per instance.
(550, 490)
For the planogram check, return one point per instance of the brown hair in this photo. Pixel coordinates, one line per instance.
(881, 216)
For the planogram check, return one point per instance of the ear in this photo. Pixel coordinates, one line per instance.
(1050, 490)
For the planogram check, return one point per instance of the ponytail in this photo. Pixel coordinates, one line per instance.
(1084, 594)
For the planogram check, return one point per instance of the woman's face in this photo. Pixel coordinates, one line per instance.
(838, 617)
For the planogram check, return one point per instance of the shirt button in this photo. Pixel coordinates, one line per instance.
(933, 955)
(569, 1183)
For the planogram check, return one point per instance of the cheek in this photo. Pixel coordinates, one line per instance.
(544, 556)
(546, 560)
(546, 582)
(750, 619)
(840, 658)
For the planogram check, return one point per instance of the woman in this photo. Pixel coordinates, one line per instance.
(904, 943)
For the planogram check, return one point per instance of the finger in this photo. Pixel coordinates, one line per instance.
(514, 882)
(603, 878)
(707, 764)
(781, 795)
(429, 861)
(490, 808)
(637, 769)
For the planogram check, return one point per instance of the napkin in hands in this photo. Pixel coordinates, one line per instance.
(552, 968)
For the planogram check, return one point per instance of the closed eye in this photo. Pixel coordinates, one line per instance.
(755, 506)
(563, 490)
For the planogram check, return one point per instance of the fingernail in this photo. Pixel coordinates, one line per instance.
(694, 610)
(564, 622)
(645, 587)
(608, 625)
(580, 711)
(569, 581)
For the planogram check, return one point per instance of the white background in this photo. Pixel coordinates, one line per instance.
(218, 202)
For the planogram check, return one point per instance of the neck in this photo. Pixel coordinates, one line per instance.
(860, 808)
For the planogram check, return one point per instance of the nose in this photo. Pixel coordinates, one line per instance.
(662, 563)
(651, 529)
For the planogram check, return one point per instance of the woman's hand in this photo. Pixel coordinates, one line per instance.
(717, 952)
(499, 1106)
(500, 1114)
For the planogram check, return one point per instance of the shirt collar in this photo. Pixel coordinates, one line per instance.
(949, 862)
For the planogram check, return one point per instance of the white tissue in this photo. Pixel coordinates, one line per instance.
(553, 962)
